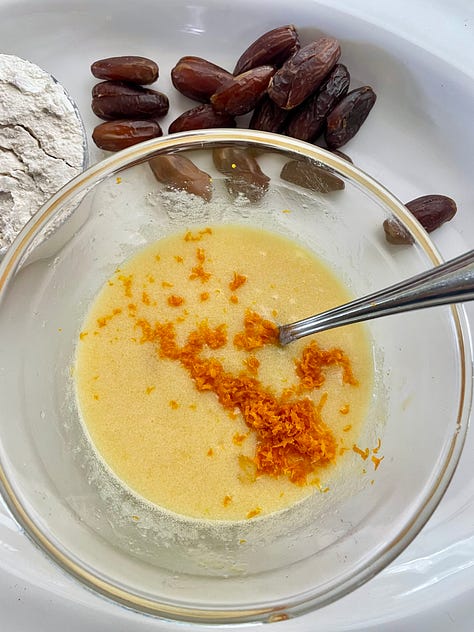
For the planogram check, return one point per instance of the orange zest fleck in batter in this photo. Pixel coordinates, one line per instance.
(237, 281)
(238, 438)
(364, 454)
(257, 332)
(127, 284)
(310, 368)
(378, 446)
(254, 512)
(252, 363)
(376, 461)
(175, 301)
(292, 438)
(104, 320)
(189, 236)
(198, 272)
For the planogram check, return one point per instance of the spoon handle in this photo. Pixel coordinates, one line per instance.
(451, 282)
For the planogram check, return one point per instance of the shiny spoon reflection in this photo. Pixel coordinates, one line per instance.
(451, 282)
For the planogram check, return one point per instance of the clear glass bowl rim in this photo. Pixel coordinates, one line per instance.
(312, 599)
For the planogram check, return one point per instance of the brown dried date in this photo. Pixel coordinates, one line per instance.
(201, 117)
(304, 72)
(180, 173)
(117, 135)
(244, 174)
(242, 93)
(132, 68)
(272, 48)
(311, 176)
(307, 121)
(396, 233)
(114, 88)
(198, 78)
(267, 116)
(342, 155)
(430, 210)
(345, 120)
(115, 100)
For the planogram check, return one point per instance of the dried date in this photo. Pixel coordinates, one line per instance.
(430, 210)
(198, 78)
(346, 118)
(272, 48)
(132, 68)
(267, 116)
(307, 121)
(396, 233)
(242, 93)
(115, 100)
(342, 155)
(311, 176)
(114, 88)
(117, 135)
(201, 117)
(180, 173)
(304, 72)
(244, 176)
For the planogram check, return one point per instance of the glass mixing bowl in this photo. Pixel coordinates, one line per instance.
(264, 569)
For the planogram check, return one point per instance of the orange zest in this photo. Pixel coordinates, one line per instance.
(292, 438)
(314, 359)
(254, 512)
(174, 300)
(376, 461)
(257, 332)
(237, 281)
(364, 454)
(252, 363)
(103, 320)
(198, 272)
(189, 236)
(127, 284)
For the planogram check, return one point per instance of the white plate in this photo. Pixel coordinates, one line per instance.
(418, 139)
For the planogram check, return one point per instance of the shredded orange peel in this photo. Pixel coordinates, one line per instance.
(292, 438)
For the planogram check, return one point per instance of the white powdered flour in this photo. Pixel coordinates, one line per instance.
(41, 142)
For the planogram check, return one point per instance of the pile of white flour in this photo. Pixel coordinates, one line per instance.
(41, 142)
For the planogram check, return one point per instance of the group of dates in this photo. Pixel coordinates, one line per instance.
(299, 91)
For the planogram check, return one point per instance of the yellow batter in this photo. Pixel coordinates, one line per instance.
(177, 446)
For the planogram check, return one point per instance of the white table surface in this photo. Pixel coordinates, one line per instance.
(431, 586)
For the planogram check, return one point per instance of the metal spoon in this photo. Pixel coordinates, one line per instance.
(451, 282)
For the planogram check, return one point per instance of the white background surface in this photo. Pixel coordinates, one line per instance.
(419, 56)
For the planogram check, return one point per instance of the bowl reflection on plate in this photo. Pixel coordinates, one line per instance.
(72, 507)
